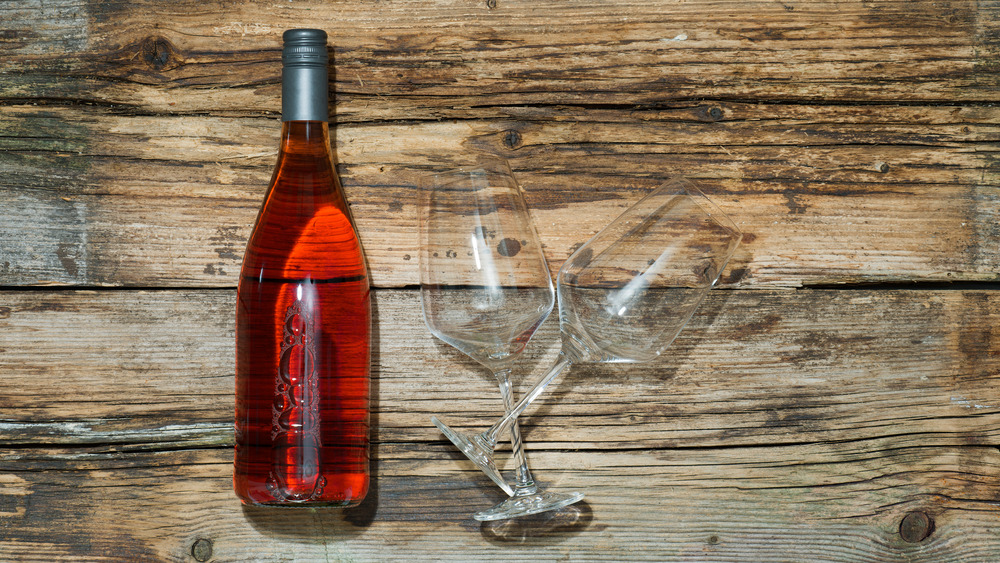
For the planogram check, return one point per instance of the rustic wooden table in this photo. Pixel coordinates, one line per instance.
(834, 400)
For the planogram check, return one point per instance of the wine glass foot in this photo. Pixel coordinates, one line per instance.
(476, 452)
(523, 505)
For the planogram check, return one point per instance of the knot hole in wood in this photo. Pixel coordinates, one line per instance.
(511, 139)
(201, 549)
(159, 53)
(916, 526)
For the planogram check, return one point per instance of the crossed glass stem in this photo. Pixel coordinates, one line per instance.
(485, 289)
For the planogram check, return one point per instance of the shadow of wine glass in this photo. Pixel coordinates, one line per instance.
(542, 529)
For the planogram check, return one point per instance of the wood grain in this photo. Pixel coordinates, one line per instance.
(839, 502)
(783, 426)
(410, 59)
(825, 194)
(854, 142)
(146, 370)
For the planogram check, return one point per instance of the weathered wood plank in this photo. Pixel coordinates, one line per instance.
(136, 139)
(830, 502)
(825, 194)
(138, 370)
(410, 59)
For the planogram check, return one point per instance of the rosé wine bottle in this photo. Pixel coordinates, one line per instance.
(303, 318)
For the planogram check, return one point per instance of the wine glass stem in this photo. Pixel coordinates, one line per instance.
(490, 435)
(524, 484)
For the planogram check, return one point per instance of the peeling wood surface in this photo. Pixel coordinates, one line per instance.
(854, 142)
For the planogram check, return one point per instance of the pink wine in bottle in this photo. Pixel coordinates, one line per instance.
(303, 318)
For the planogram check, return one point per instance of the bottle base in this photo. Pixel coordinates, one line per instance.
(255, 493)
(309, 504)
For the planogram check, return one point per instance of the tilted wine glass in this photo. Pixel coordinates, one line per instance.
(626, 294)
(485, 289)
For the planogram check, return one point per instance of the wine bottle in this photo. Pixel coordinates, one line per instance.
(303, 318)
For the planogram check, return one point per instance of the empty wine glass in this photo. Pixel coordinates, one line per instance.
(485, 289)
(626, 294)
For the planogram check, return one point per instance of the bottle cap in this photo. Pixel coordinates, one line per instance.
(304, 75)
(304, 47)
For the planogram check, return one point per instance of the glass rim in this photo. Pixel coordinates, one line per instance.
(485, 163)
(681, 187)
(708, 206)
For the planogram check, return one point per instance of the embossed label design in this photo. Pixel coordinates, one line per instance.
(295, 411)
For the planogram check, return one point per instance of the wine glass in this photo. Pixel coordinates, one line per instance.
(485, 289)
(626, 294)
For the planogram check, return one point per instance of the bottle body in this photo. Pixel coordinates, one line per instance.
(303, 329)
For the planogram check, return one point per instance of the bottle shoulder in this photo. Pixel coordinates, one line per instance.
(304, 227)
(318, 242)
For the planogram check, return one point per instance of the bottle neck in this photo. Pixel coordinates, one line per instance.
(306, 138)
(304, 92)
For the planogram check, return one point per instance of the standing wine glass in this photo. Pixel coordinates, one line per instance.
(485, 289)
(626, 294)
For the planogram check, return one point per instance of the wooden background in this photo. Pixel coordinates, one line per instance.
(834, 400)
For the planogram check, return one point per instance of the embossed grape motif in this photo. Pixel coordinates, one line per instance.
(295, 412)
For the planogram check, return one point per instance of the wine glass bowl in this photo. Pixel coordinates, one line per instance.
(626, 294)
(485, 288)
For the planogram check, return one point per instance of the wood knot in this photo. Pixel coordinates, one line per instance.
(882, 167)
(201, 550)
(159, 53)
(916, 526)
(511, 139)
(491, 4)
(713, 113)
